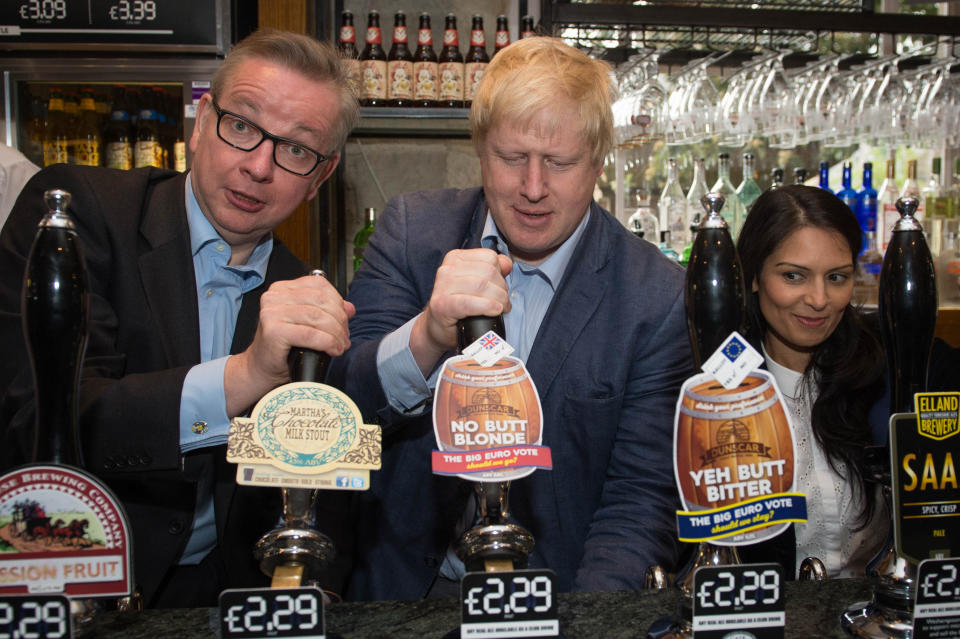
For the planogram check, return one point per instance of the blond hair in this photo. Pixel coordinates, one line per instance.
(530, 75)
(315, 60)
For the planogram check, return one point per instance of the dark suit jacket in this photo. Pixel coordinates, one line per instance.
(608, 362)
(144, 337)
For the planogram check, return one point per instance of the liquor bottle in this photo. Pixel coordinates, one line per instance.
(88, 140)
(178, 146)
(936, 207)
(846, 192)
(948, 269)
(147, 150)
(526, 27)
(911, 188)
(666, 246)
(698, 188)
(55, 310)
(673, 209)
(102, 105)
(643, 222)
(867, 207)
(694, 227)
(887, 214)
(908, 307)
(866, 278)
(426, 71)
(451, 65)
(799, 175)
(373, 65)
(56, 138)
(714, 298)
(733, 211)
(362, 238)
(502, 38)
(776, 178)
(118, 135)
(347, 45)
(825, 176)
(748, 191)
(400, 65)
(476, 60)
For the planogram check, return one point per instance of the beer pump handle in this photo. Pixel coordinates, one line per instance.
(908, 307)
(54, 315)
(306, 364)
(470, 329)
(714, 297)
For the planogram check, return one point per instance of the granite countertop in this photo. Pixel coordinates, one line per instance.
(813, 610)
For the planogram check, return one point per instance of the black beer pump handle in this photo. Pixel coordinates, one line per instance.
(306, 364)
(54, 315)
(470, 329)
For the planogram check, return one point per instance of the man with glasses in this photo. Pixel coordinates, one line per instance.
(194, 307)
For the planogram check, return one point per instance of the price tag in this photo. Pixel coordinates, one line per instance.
(23, 617)
(936, 613)
(272, 612)
(518, 603)
(746, 598)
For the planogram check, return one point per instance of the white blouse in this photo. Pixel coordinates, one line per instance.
(832, 504)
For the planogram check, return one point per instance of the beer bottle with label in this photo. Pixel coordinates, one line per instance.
(425, 67)
(348, 50)
(400, 65)
(147, 138)
(55, 132)
(476, 61)
(88, 140)
(502, 38)
(373, 65)
(118, 134)
(451, 65)
(526, 27)
(71, 106)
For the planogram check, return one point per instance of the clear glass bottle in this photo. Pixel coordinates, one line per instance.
(748, 191)
(912, 188)
(948, 268)
(698, 188)
(362, 238)
(733, 211)
(666, 246)
(866, 279)
(643, 222)
(887, 214)
(776, 178)
(673, 208)
(936, 205)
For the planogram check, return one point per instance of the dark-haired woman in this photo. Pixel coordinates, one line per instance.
(798, 247)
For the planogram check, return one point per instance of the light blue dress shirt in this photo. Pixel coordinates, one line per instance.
(531, 289)
(203, 411)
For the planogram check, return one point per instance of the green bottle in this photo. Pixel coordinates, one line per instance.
(362, 238)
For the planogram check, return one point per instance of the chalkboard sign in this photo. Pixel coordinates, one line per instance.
(184, 25)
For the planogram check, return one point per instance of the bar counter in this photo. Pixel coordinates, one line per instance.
(813, 610)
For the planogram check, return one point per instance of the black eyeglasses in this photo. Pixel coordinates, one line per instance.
(241, 133)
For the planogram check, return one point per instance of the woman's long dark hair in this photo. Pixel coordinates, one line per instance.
(848, 367)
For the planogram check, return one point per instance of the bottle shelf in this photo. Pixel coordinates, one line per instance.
(417, 122)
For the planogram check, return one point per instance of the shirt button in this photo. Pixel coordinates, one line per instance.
(209, 292)
(221, 247)
(175, 527)
(199, 427)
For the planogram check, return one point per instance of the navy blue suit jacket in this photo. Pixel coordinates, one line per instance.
(608, 362)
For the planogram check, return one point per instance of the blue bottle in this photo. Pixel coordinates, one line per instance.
(867, 204)
(849, 195)
(825, 176)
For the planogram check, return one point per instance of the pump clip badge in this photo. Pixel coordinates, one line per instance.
(734, 452)
(305, 435)
(487, 415)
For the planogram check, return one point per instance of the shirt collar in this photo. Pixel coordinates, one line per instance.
(554, 266)
(203, 233)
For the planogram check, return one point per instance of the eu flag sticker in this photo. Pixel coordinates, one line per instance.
(733, 349)
(733, 361)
